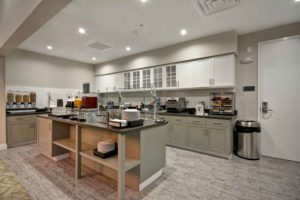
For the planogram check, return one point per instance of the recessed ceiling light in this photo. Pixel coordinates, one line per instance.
(143, 1)
(183, 32)
(128, 48)
(285, 38)
(81, 30)
(297, 0)
(94, 58)
(49, 47)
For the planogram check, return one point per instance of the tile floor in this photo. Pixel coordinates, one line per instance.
(188, 175)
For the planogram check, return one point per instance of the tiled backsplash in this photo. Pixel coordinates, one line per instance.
(193, 97)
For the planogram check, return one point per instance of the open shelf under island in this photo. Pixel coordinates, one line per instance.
(141, 150)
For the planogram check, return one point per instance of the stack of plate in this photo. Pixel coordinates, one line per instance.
(131, 115)
(106, 146)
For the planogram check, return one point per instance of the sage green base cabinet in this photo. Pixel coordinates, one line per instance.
(210, 136)
(21, 130)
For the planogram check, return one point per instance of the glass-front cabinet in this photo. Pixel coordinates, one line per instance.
(171, 80)
(136, 79)
(147, 78)
(127, 81)
(158, 77)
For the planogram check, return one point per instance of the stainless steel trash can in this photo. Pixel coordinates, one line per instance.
(247, 135)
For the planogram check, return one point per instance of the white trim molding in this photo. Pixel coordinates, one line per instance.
(3, 146)
(150, 180)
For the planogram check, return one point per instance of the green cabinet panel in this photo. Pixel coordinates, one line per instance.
(178, 134)
(217, 139)
(21, 130)
(197, 136)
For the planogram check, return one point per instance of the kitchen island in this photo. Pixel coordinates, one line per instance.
(141, 150)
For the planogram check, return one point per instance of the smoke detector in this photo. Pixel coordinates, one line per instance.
(209, 7)
(99, 46)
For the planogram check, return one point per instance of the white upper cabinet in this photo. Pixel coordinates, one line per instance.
(119, 81)
(136, 80)
(158, 77)
(100, 83)
(147, 78)
(211, 72)
(203, 72)
(171, 76)
(127, 80)
(224, 71)
(185, 74)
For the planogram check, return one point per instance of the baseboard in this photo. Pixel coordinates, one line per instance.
(61, 157)
(3, 146)
(150, 180)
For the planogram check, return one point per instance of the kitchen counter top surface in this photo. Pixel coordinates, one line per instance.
(27, 113)
(186, 114)
(147, 124)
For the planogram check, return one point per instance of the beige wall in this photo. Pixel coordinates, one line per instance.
(218, 44)
(2, 102)
(247, 74)
(24, 68)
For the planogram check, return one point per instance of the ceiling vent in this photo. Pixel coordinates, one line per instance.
(209, 7)
(99, 46)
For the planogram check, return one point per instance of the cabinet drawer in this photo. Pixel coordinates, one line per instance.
(179, 120)
(196, 120)
(22, 118)
(218, 123)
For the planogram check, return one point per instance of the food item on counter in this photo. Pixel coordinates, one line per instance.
(10, 97)
(77, 102)
(32, 97)
(19, 98)
(26, 97)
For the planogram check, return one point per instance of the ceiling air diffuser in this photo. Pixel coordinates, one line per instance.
(209, 7)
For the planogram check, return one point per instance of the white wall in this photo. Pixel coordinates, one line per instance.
(24, 68)
(2, 104)
(218, 44)
(28, 71)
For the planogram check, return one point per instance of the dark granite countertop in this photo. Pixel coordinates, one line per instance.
(27, 113)
(186, 114)
(147, 124)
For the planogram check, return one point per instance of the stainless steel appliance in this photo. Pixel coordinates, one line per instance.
(247, 139)
(175, 104)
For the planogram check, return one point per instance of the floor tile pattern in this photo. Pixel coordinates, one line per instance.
(187, 176)
(10, 188)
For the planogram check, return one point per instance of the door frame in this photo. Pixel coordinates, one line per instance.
(260, 67)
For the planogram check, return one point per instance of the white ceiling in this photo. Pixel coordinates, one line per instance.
(12, 14)
(116, 23)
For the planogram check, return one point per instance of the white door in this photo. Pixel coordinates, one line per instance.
(224, 71)
(185, 74)
(279, 86)
(203, 70)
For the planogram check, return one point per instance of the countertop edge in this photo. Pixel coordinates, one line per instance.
(119, 131)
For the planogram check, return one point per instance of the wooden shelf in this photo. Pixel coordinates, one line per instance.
(111, 162)
(69, 144)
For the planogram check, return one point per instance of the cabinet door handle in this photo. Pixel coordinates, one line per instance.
(178, 120)
(213, 81)
(215, 123)
(21, 118)
(209, 81)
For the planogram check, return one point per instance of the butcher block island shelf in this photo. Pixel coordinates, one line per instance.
(141, 150)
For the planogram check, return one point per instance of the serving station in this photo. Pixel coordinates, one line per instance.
(141, 150)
